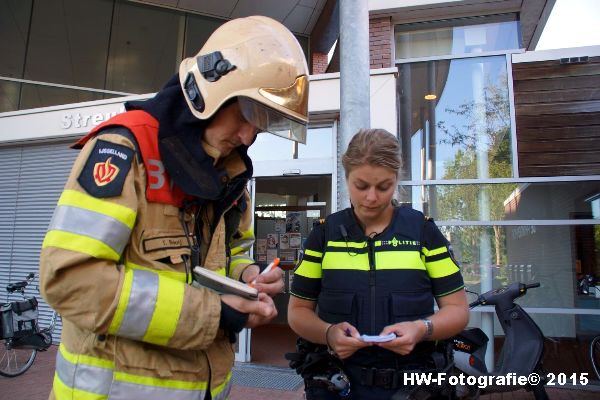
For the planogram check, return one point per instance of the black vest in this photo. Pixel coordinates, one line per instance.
(383, 280)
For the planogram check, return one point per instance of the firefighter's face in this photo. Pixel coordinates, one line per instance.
(229, 129)
(371, 189)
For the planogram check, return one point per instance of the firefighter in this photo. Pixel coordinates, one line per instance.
(374, 269)
(155, 192)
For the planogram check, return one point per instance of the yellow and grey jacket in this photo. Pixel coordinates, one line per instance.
(112, 266)
(372, 282)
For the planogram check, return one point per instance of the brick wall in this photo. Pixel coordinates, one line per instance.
(319, 63)
(380, 42)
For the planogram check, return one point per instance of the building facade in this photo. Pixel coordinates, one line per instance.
(500, 143)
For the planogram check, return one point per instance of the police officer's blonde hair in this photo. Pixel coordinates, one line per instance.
(376, 147)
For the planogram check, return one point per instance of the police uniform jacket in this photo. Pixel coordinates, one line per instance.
(112, 266)
(372, 282)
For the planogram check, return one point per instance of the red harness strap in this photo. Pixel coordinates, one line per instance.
(159, 187)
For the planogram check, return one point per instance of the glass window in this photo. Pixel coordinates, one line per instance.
(9, 96)
(69, 42)
(492, 256)
(461, 36)
(272, 147)
(14, 28)
(34, 96)
(505, 201)
(455, 119)
(197, 31)
(143, 48)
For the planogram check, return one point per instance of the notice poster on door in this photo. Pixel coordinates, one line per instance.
(295, 240)
(272, 240)
(261, 246)
(288, 255)
(271, 255)
(284, 241)
(292, 222)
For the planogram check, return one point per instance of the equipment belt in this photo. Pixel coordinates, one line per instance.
(387, 378)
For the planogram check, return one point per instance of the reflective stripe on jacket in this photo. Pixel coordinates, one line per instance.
(113, 268)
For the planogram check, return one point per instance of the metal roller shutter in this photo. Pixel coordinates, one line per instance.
(32, 177)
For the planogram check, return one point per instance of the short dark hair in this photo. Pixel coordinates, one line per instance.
(376, 147)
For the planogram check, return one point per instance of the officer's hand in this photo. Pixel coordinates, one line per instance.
(270, 283)
(343, 338)
(408, 335)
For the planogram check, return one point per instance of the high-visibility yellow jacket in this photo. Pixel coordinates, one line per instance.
(112, 266)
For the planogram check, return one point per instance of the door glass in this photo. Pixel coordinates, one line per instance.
(286, 208)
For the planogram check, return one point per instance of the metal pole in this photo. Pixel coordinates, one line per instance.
(354, 81)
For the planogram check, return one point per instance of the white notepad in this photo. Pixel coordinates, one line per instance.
(222, 284)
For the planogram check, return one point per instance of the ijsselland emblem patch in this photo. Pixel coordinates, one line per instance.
(105, 172)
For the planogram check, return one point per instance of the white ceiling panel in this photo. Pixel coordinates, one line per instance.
(219, 8)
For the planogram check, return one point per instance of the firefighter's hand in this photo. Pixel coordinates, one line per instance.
(343, 339)
(270, 283)
(260, 312)
(408, 335)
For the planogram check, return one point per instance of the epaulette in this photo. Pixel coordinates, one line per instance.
(320, 221)
(428, 218)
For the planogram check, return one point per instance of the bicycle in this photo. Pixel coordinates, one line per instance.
(595, 355)
(19, 330)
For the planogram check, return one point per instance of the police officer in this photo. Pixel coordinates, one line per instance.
(156, 191)
(375, 269)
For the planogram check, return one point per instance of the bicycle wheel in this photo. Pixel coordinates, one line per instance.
(15, 362)
(595, 355)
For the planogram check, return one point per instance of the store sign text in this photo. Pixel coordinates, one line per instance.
(78, 120)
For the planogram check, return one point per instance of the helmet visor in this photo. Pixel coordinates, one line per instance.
(268, 120)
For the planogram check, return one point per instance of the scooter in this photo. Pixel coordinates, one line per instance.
(520, 364)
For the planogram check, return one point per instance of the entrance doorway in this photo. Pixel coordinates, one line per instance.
(285, 210)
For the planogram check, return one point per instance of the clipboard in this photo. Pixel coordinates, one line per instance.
(206, 278)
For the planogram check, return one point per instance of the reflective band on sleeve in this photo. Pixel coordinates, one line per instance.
(237, 260)
(313, 253)
(73, 374)
(166, 313)
(88, 223)
(80, 244)
(439, 250)
(309, 269)
(149, 306)
(221, 392)
(140, 304)
(82, 200)
(441, 268)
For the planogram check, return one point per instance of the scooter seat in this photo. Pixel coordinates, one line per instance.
(475, 336)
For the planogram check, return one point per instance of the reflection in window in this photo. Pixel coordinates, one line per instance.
(9, 96)
(528, 253)
(509, 201)
(455, 120)
(441, 38)
(143, 48)
(271, 147)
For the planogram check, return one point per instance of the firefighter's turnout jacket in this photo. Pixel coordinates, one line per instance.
(112, 266)
(372, 282)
